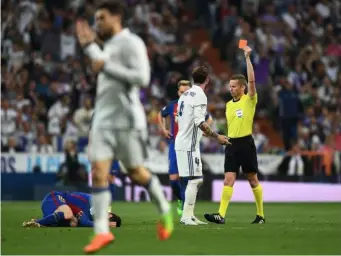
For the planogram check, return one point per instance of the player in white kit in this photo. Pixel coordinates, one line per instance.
(192, 109)
(119, 128)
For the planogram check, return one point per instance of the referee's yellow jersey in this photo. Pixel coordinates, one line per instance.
(239, 116)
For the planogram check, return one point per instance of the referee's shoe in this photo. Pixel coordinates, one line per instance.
(215, 218)
(258, 220)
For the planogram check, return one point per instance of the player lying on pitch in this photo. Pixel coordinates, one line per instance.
(64, 209)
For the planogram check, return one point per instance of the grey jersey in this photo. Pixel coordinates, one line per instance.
(126, 68)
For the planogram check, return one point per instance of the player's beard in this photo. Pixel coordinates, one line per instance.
(104, 36)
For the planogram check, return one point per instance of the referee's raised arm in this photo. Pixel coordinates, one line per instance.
(251, 84)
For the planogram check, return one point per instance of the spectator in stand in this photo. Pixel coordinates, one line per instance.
(42, 146)
(9, 121)
(21, 101)
(83, 116)
(326, 90)
(68, 44)
(289, 112)
(12, 146)
(296, 163)
(152, 116)
(69, 128)
(26, 136)
(56, 113)
(72, 172)
(261, 141)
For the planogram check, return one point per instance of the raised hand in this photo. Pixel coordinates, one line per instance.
(84, 33)
(247, 51)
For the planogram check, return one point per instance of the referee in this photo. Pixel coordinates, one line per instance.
(240, 112)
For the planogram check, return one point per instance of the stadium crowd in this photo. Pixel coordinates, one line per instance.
(48, 88)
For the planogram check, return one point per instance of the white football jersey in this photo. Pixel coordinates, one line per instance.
(118, 104)
(192, 108)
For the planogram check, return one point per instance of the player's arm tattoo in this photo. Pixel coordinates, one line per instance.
(207, 130)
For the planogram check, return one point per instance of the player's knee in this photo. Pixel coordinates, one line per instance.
(229, 179)
(66, 210)
(139, 175)
(196, 182)
(100, 171)
(99, 176)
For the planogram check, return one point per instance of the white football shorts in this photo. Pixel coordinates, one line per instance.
(130, 146)
(189, 163)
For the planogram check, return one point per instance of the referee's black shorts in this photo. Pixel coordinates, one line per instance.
(242, 153)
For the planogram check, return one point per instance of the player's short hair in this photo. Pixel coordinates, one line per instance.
(115, 7)
(241, 79)
(184, 83)
(199, 74)
(115, 218)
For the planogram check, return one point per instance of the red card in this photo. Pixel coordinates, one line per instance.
(242, 43)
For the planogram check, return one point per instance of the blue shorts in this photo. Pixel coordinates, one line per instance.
(51, 202)
(172, 162)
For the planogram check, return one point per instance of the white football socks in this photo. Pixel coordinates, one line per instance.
(100, 201)
(156, 193)
(191, 197)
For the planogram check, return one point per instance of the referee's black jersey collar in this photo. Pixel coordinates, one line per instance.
(233, 100)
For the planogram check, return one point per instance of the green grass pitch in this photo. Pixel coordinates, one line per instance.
(290, 229)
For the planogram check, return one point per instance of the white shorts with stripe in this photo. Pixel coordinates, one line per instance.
(189, 163)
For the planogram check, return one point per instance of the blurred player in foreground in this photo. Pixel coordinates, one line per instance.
(171, 111)
(240, 112)
(119, 127)
(63, 209)
(192, 109)
(114, 170)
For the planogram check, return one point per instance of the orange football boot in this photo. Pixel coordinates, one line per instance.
(98, 242)
(166, 226)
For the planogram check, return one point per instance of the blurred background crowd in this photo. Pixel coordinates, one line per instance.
(48, 89)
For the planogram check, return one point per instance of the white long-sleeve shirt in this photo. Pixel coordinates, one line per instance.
(126, 68)
(192, 109)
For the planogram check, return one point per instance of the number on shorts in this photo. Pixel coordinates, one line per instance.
(197, 161)
(182, 105)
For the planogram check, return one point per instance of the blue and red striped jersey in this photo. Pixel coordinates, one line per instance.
(78, 201)
(171, 110)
